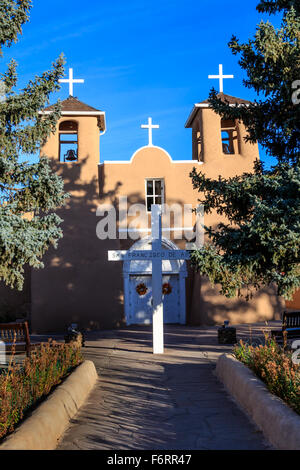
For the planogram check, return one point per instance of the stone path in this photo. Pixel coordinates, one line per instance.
(166, 402)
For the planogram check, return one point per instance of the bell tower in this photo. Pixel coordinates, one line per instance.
(61, 292)
(219, 140)
(76, 140)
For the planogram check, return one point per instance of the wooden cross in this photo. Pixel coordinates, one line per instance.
(71, 81)
(150, 126)
(221, 77)
(156, 255)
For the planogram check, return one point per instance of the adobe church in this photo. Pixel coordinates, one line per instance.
(79, 284)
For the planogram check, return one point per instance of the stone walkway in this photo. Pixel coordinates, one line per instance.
(170, 401)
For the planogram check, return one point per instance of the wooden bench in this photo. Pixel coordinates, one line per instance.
(16, 338)
(290, 328)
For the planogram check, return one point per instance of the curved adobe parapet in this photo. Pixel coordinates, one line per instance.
(151, 152)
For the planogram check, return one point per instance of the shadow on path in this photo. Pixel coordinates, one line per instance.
(171, 401)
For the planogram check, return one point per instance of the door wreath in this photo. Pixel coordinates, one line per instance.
(166, 288)
(141, 289)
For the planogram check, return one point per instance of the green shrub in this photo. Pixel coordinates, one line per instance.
(21, 386)
(275, 367)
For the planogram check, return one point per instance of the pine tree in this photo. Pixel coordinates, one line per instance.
(25, 188)
(259, 245)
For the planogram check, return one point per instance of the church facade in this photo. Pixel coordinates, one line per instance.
(110, 209)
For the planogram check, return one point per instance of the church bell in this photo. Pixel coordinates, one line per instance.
(70, 156)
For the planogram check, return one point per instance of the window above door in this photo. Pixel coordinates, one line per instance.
(155, 192)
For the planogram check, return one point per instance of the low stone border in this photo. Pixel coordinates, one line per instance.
(279, 423)
(42, 429)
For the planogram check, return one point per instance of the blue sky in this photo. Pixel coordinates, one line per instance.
(138, 59)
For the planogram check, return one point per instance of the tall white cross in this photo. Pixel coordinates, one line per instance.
(156, 255)
(71, 81)
(150, 126)
(221, 77)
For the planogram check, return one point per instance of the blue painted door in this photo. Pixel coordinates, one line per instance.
(140, 300)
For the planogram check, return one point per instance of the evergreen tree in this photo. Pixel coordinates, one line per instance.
(259, 245)
(25, 188)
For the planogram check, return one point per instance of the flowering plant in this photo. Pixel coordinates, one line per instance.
(23, 385)
(275, 367)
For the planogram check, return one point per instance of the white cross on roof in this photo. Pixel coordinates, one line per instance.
(150, 126)
(221, 77)
(71, 81)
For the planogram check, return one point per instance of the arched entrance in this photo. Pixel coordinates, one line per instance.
(138, 287)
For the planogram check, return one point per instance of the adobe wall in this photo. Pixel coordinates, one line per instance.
(209, 307)
(78, 284)
(204, 303)
(209, 124)
(295, 303)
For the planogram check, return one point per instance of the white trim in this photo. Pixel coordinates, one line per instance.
(205, 106)
(232, 105)
(77, 113)
(122, 162)
(80, 113)
(128, 162)
(188, 161)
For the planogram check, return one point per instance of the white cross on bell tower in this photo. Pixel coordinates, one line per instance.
(71, 81)
(221, 77)
(150, 126)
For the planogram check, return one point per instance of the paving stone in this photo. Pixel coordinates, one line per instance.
(171, 401)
